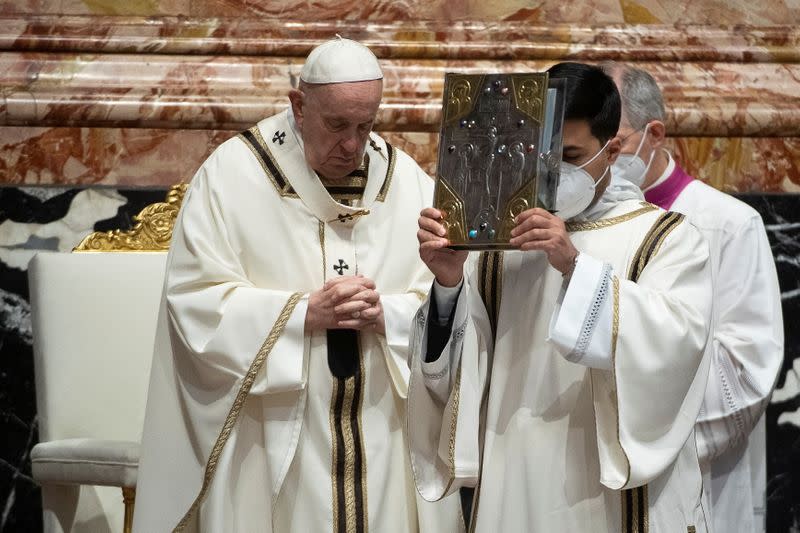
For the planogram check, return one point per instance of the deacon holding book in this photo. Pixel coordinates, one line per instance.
(562, 379)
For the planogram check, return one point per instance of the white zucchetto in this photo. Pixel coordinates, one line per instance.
(341, 61)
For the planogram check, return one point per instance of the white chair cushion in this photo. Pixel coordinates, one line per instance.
(94, 322)
(86, 462)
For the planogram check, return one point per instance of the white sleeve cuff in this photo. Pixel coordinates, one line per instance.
(283, 370)
(446, 298)
(398, 313)
(580, 327)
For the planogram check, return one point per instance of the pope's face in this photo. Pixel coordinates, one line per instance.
(335, 121)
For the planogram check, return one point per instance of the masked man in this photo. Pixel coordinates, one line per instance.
(563, 379)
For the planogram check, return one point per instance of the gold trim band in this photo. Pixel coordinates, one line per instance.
(238, 403)
(606, 222)
(322, 247)
(652, 242)
(635, 513)
(387, 180)
(348, 456)
(614, 338)
(253, 139)
(490, 283)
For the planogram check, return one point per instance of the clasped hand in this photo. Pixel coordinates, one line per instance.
(345, 302)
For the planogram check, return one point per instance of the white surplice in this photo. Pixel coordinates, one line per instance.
(246, 428)
(591, 388)
(746, 351)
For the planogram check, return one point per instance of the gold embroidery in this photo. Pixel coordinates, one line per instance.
(334, 453)
(419, 294)
(490, 276)
(152, 232)
(387, 181)
(615, 321)
(644, 258)
(632, 269)
(636, 513)
(623, 511)
(347, 181)
(665, 235)
(322, 248)
(363, 480)
(349, 457)
(498, 296)
(346, 217)
(645, 506)
(346, 198)
(614, 337)
(353, 506)
(606, 222)
(652, 242)
(238, 403)
(268, 163)
(451, 445)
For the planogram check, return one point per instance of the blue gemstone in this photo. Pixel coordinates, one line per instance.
(473, 234)
(464, 123)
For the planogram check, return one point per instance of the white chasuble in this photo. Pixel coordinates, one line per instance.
(570, 404)
(252, 423)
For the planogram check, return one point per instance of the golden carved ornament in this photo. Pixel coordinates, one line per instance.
(152, 232)
(460, 95)
(452, 208)
(530, 94)
(516, 204)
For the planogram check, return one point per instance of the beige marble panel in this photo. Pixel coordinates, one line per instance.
(133, 157)
(232, 92)
(587, 11)
(415, 39)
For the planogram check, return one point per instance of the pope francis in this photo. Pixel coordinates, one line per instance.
(277, 395)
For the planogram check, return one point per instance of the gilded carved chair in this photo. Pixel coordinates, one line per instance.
(94, 314)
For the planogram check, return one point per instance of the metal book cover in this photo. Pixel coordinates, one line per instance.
(499, 153)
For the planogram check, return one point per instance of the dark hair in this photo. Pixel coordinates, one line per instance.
(591, 96)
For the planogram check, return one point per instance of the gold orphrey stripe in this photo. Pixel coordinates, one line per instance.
(348, 461)
(238, 403)
(652, 242)
(634, 510)
(490, 285)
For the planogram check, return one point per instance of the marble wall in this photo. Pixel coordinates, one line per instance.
(104, 104)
